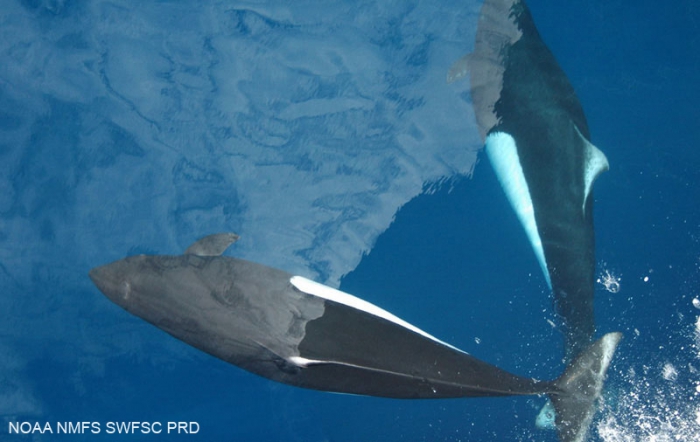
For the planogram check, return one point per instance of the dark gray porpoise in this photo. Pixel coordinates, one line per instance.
(537, 140)
(293, 330)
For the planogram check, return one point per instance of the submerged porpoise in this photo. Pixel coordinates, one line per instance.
(293, 330)
(537, 140)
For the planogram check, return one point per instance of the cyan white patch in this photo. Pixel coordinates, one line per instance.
(546, 419)
(325, 292)
(596, 163)
(503, 154)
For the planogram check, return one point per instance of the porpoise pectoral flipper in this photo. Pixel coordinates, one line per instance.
(299, 332)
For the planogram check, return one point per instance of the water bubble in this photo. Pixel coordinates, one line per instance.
(610, 281)
(696, 303)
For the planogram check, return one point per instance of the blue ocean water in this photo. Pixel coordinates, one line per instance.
(325, 135)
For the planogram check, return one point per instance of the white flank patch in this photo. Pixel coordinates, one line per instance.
(323, 291)
(303, 362)
(503, 154)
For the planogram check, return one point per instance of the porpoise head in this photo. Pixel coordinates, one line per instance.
(113, 280)
(148, 287)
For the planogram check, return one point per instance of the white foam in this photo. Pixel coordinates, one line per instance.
(669, 372)
(642, 408)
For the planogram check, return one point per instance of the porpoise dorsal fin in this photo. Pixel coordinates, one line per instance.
(596, 163)
(212, 245)
(459, 69)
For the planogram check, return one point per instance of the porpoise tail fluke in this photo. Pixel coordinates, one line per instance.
(580, 387)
